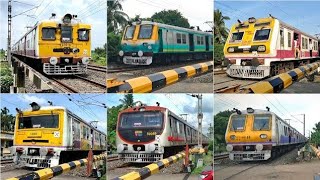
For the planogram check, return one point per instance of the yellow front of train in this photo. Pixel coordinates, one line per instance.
(249, 135)
(249, 47)
(39, 136)
(64, 45)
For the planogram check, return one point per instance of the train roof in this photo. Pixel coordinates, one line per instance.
(68, 111)
(281, 22)
(173, 27)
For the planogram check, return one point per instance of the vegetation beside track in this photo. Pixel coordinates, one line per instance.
(220, 126)
(6, 78)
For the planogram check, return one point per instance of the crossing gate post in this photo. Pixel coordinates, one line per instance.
(89, 165)
(186, 160)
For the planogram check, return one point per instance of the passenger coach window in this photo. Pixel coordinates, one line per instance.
(237, 123)
(129, 32)
(261, 123)
(145, 32)
(48, 33)
(83, 35)
(237, 36)
(66, 34)
(262, 35)
(47, 121)
(141, 119)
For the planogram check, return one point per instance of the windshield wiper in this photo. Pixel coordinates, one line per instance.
(263, 125)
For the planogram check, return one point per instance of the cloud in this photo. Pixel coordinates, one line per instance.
(32, 98)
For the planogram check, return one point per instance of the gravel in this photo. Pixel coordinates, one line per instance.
(81, 85)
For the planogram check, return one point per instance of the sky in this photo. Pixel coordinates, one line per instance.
(303, 15)
(177, 103)
(89, 11)
(87, 106)
(286, 106)
(196, 11)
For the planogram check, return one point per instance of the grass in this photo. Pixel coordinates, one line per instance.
(207, 161)
(99, 59)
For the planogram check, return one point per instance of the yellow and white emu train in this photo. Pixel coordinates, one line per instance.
(58, 46)
(256, 134)
(49, 136)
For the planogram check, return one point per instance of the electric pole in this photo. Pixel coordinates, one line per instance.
(9, 32)
(200, 117)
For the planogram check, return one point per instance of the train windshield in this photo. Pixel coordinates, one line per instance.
(83, 34)
(152, 119)
(237, 36)
(237, 123)
(66, 34)
(262, 34)
(145, 32)
(261, 123)
(48, 33)
(129, 32)
(46, 121)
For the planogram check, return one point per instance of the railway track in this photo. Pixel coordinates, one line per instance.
(221, 156)
(124, 69)
(97, 68)
(76, 83)
(242, 170)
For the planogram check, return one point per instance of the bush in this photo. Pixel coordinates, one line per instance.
(114, 46)
(6, 78)
(218, 53)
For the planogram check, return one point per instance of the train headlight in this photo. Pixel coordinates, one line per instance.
(121, 148)
(53, 60)
(66, 60)
(259, 147)
(263, 136)
(43, 151)
(75, 50)
(140, 53)
(121, 53)
(261, 48)
(230, 49)
(85, 60)
(233, 137)
(229, 147)
(152, 147)
(149, 47)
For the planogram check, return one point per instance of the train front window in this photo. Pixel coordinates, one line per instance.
(237, 36)
(145, 32)
(83, 34)
(237, 123)
(262, 35)
(66, 34)
(141, 120)
(129, 32)
(48, 33)
(45, 121)
(261, 123)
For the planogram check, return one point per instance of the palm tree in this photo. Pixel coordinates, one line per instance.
(7, 120)
(116, 18)
(127, 101)
(220, 30)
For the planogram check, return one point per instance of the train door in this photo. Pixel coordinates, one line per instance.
(160, 40)
(191, 42)
(207, 43)
(173, 128)
(91, 138)
(169, 39)
(76, 134)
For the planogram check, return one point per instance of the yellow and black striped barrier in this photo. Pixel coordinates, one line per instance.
(49, 173)
(152, 82)
(151, 169)
(277, 83)
(316, 151)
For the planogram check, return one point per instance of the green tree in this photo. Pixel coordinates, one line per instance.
(171, 17)
(220, 126)
(116, 18)
(220, 30)
(6, 79)
(7, 120)
(127, 101)
(315, 135)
